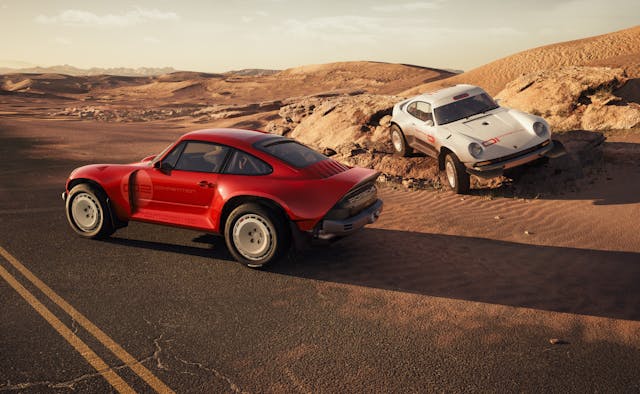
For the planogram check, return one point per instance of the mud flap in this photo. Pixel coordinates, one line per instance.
(558, 150)
(486, 174)
(115, 221)
(301, 241)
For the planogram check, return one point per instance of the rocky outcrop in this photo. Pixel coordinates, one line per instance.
(574, 98)
(354, 129)
(202, 114)
(338, 122)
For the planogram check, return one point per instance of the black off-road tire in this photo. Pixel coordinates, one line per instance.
(456, 175)
(399, 142)
(256, 235)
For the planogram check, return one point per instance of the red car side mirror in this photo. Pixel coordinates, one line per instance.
(164, 167)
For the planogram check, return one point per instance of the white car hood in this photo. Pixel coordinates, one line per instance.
(498, 131)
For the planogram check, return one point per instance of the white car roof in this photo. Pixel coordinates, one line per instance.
(445, 96)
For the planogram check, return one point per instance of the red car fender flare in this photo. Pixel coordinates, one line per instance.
(227, 203)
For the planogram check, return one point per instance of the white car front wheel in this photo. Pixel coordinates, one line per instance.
(457, 177)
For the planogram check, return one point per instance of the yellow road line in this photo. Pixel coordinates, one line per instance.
(109, 343)
(85, 351)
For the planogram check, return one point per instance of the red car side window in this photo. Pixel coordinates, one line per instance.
(241, 163)
(172, 157)
(202, 157)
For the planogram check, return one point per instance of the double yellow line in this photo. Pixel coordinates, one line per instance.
(85, 351)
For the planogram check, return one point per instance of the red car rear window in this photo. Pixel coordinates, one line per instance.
(290, 152)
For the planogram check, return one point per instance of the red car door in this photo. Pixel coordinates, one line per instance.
(182, 195)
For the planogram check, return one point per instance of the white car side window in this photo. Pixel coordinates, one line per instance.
(420, 110)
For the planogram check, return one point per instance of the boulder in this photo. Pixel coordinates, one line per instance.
(574, 98)
(336, 122)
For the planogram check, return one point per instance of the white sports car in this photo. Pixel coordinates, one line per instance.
(469, 133)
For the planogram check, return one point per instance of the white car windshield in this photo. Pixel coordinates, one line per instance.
(464, 108)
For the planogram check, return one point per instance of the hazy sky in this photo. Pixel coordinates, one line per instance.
(233, 34)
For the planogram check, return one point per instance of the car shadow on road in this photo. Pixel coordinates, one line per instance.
(213, 246)
(582, 281)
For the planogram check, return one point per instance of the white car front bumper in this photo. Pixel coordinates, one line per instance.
(496, 167)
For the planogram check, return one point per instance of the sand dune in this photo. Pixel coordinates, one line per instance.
(241, 87)
(372, 77)
(556, 237)
(343, 108)
(618, 49)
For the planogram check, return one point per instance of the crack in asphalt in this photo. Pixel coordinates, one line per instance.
(156, 356)
(156, 353)
(218, 374)
(74, 326)
(68, 384)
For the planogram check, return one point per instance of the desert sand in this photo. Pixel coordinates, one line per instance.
(618, 49)
(583, 88)
(343, 109)
(557, 243)
(485, 280)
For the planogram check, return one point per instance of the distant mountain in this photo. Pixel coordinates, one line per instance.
(14, 67)
(71, 70)
(248, 86)
(252, 72)
(9, 63)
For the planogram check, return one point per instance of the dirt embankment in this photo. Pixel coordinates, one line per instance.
(618, 49)
(343, 109)
(592, 83)
(590, 98)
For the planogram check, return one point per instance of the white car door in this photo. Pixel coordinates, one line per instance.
(422, 126)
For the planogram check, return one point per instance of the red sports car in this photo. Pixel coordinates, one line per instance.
(260, 191)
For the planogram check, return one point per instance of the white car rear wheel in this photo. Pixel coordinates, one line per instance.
(399, 143)
(451, 174)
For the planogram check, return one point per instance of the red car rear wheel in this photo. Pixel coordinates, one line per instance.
(256, 235)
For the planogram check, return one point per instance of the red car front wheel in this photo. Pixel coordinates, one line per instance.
(88, 212)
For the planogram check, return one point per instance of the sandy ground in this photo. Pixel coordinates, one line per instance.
(597, 213)
(444, 291)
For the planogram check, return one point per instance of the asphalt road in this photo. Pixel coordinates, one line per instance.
(199, 322)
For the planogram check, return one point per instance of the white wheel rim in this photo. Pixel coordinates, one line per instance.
(396, 138)
(252, 236)
(86, 212)
(451, 173)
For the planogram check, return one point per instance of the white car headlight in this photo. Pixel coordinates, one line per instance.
(540, 129)
(475, 149)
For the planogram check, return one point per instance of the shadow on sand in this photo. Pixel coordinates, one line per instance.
(558, 279)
